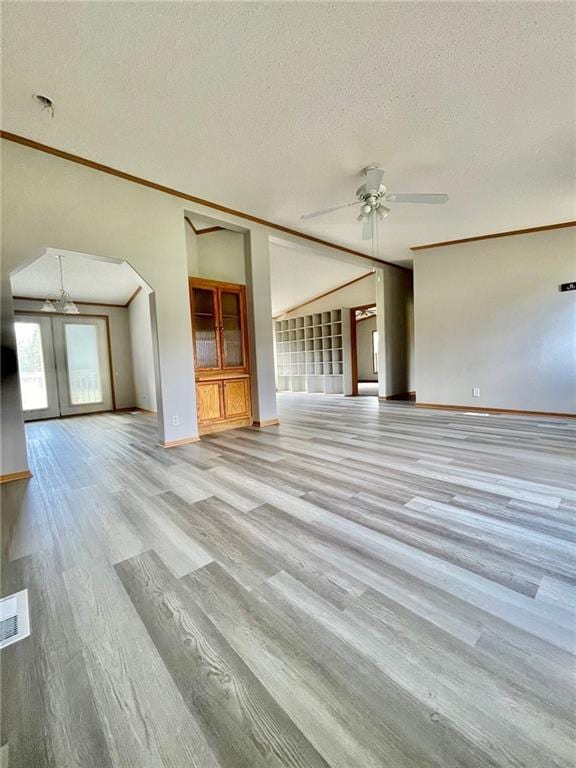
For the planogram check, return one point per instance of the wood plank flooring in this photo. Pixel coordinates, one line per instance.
(367, 585)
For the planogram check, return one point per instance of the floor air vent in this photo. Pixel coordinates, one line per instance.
(14, 618)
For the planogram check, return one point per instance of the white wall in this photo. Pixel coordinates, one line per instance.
(394, 296)
(364, 329)
(120, 347)
(411, 375)
(489, 314)
(221, 256)
(260, 328)
(140, 326)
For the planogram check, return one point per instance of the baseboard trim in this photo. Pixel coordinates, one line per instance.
(510, 411)
(399, 396)
(131, 409)
(183, 441)
(266, 423)
(15, 476)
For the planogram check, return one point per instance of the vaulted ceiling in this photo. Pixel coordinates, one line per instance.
(273, 108)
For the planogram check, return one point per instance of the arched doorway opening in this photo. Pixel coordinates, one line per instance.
(86, 337)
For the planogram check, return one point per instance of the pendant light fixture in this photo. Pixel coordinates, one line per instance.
(63, 303)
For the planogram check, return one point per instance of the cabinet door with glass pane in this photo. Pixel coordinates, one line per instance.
(218, 326)
(232, 314)
(205, 327)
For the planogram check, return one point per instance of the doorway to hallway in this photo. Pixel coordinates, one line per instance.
(364, 337)
(64, 365)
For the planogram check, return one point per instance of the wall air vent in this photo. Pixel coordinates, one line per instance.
(14, 618)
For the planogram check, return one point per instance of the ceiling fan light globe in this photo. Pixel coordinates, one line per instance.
(367, 208)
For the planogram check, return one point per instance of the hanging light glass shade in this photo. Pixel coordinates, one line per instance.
(48, 306)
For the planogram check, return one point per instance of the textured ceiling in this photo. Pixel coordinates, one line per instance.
(85, 279)
(273, 108)
(299, 274)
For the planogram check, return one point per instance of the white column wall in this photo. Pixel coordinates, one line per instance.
(12, 436)
(393, 297)
(261, 334)
(381, 328)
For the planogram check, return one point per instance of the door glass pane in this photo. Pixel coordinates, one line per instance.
(204, 325)
(83, 363)
(230, 304)
(31, 366)
(231, 329)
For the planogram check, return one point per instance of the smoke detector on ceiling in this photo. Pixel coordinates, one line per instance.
(45, 102)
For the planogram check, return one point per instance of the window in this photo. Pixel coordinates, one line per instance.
(374, 351)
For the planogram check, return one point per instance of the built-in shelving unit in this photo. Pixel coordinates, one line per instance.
(313, 353)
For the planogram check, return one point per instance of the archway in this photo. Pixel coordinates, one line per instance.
(86, 337)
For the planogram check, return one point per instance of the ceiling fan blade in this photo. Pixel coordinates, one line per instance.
(329, 210)
(417, 198)
(374, 178)
(367, 228)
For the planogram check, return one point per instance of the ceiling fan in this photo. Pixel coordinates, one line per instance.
(372, 195)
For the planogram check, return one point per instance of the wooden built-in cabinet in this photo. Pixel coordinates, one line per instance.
(220, 354)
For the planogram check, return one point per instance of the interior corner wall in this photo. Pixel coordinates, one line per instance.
(256, 247)
(13, 458)
(120, 345)
(191, 249)
(394, 300)
(411, 374)
(364, 331)
(220, 256)
(50, 202)
(140, 323)
(489, 314)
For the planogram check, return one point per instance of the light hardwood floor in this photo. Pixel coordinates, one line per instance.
(368, 585)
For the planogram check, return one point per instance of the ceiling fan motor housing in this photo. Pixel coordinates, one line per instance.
(370, 197)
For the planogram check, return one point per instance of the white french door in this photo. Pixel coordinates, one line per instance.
(37, 367)
(64, 365)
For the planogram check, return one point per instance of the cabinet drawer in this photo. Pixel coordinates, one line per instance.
(209, 401)
(236, 398)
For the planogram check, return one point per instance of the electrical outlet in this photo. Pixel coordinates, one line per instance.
(175, 421)
(476, 392)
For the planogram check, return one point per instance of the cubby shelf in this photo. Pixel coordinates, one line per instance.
(312, 353)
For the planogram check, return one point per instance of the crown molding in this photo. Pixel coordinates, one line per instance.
(205, 231)
(511, 232)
